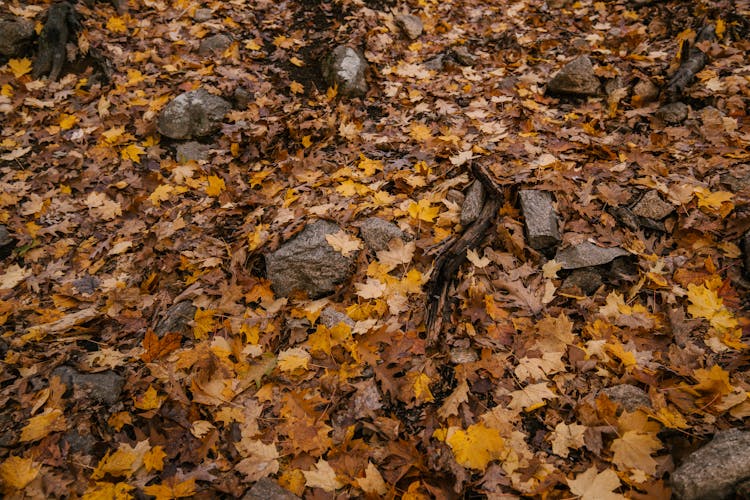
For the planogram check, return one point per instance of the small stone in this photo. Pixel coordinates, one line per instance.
(191, 151)
(462, 56)
(646, 91)
(410, 25)
(176, 319)
(102, 386)
(242, 97)
(629, 397)
(713, 471)
(214, 45)
(309, 263)
(330, 317)
(203, 15)
(461, 355)
(540, 218)
(575, 78)
(652, 206)
(86, 285)
(16, 35)
(673, 113)
(345, 68)
(7, 242)
(192, 114)
(378, 232)
(79, 443)
(473, 203)
(587, 254)
(586, 280)
(436, 63)
(268, 489)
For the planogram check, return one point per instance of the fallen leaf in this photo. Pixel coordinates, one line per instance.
(322, 476)
(590, 485)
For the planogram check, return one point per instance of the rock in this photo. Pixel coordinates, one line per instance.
(673, 113)
(377, 233)
(473, 203)
(461, 355)
(86, 285)
(176, 319)
(7, 242)
(462, 56)
(575, 78)
(191, 151)
(540, 218)
(626, 217)
(646, 91)
(79, 443)
(345, 68)
(713, 471)
(16, 35)
(651, 206)
(308, 262)
(587, 254)
(192, 114)
(268, 489)
(330, 317)
(203, 15)
(103, 386)
(745, 247)
(629, 397)
(242, 97)
(411, 25)
(586, 280)
(214, 45)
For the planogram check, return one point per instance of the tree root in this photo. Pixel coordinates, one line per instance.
(450, 259)
(59, 29)
(693, 61)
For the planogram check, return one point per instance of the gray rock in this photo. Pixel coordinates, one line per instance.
(646, 91)
(629, 397)
(79, 443)
(87, 284)
(652, 206)
(7, 242)
(192, 114)
(626, 217)
(460, 355)
(16, 36)
(176, 319)
(377, 233)
(268, 489)
(191, 151)
(540, 218)
(214, 45)
(473, 203)
(103, 386)
(713, 471)
(308, 262)
(587, 254)
(586, 280)
(345, 68)
(673, 113)
(461, 55)
(411, 25)
(575, 78)
(202, 15)
(330, 317)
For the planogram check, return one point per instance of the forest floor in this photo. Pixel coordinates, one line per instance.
(529, 389)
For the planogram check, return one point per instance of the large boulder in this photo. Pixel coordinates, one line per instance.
(713, 471)
(576, 78)
(16, 36)
(192, 114)
(308, 262)
(345, 68)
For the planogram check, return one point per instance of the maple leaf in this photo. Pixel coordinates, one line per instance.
(204, 323)
(371, 289)
(322, 476)
(397, 254)
(20, 67)
(420, 132)
(423, 210)
(473, 257)
(150, 400)
(706, 303)
(117, 24)
(215, 186)
(108, 491)
(155, 347)
(17, 472)
(452, 402)
(262, 460)
(567, 436)
(531, 397)
(590, 485)
(633, 451)
(153, 459)
(132, 152)
(372, 483)
(200, 428)
(719, 202)
(14, 274)
(171, 489)
(67, 121)
(293, 359)
(343, 243)
(419, 384)
(475, 447)
(123, 462)
(41, 425)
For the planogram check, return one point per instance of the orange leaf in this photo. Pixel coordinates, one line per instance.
(159, 347)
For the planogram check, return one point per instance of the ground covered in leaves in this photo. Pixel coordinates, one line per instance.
(522, 393)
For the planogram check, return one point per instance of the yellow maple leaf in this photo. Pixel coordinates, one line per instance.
(67, 121)
(633, 451)
(590, 485)
(215, 186)
(117, 24)
(718, 202)
(343, 243)
(293, 359)
(531, 397)
(420, 386)
(108, 491)
(150, 400)
(113, 134)
(306, 141)
(372, 483)
(41, 425)
(122, 462)
(714, 381)
(420, 132)
(296, 87)
(322, 476)
(373, 288)
(20, 67)
(297, 61)
(153, 460)
(567, 436)
(170, 489)
(368, 166)
(17, 472)
(422, 210)
(132, 152)
(204, 322)
(475, 447)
